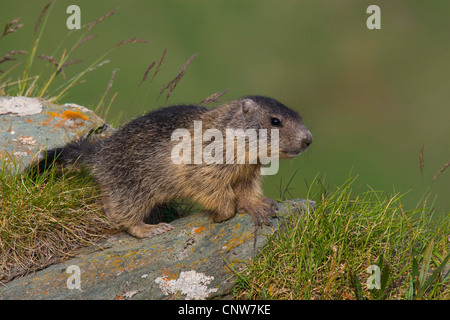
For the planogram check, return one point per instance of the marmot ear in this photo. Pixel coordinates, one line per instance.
(248, 106)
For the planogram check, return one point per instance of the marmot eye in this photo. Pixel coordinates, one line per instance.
(275, 122)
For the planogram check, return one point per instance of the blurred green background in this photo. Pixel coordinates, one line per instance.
(371, 98)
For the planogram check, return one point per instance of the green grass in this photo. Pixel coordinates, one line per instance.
(43, 218)
(326, 254)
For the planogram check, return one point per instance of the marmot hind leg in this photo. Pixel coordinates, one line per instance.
(143, 230)
(130, 217)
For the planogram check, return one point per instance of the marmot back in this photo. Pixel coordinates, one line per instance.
(136, 170)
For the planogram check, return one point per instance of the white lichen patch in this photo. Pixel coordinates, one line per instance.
(190, 283)
(26, 140)
(21, 106)
(20, 154)
(130, 294)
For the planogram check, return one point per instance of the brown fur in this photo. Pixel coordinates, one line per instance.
(134, 169)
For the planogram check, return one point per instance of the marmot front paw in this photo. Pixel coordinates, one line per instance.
(261, 211)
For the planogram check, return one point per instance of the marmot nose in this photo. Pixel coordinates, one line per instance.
(306, 141)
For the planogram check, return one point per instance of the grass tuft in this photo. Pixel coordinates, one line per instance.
(326, 253)
(43, 218)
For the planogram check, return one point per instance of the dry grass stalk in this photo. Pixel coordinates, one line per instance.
(111, 81)
(445, 166)
(144, 78)
(66, 64)
(108, 87)
(7, 57)
(50, 59)
(407, 220)
(421, 161)
(10, 28)
(100, 64)
(93, 24)
(132, 40)
(39, 20)
(159, 64)
(214, 97)
(150, 67)
(85, 40)
(53, 61)
(69, 63)
(173, 83)
(187, 64)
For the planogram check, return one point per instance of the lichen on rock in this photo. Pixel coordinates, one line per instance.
(192, 284)
(31, 125)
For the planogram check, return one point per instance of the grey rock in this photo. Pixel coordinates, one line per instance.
(195, 260)
(30, 125)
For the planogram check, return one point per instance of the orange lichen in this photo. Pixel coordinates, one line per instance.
(167, 275)
(199, 229)
(68, 115)
(238, 240)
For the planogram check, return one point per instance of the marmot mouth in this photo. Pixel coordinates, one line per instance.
(291, 154)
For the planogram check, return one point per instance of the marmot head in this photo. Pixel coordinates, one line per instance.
(263, 112)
